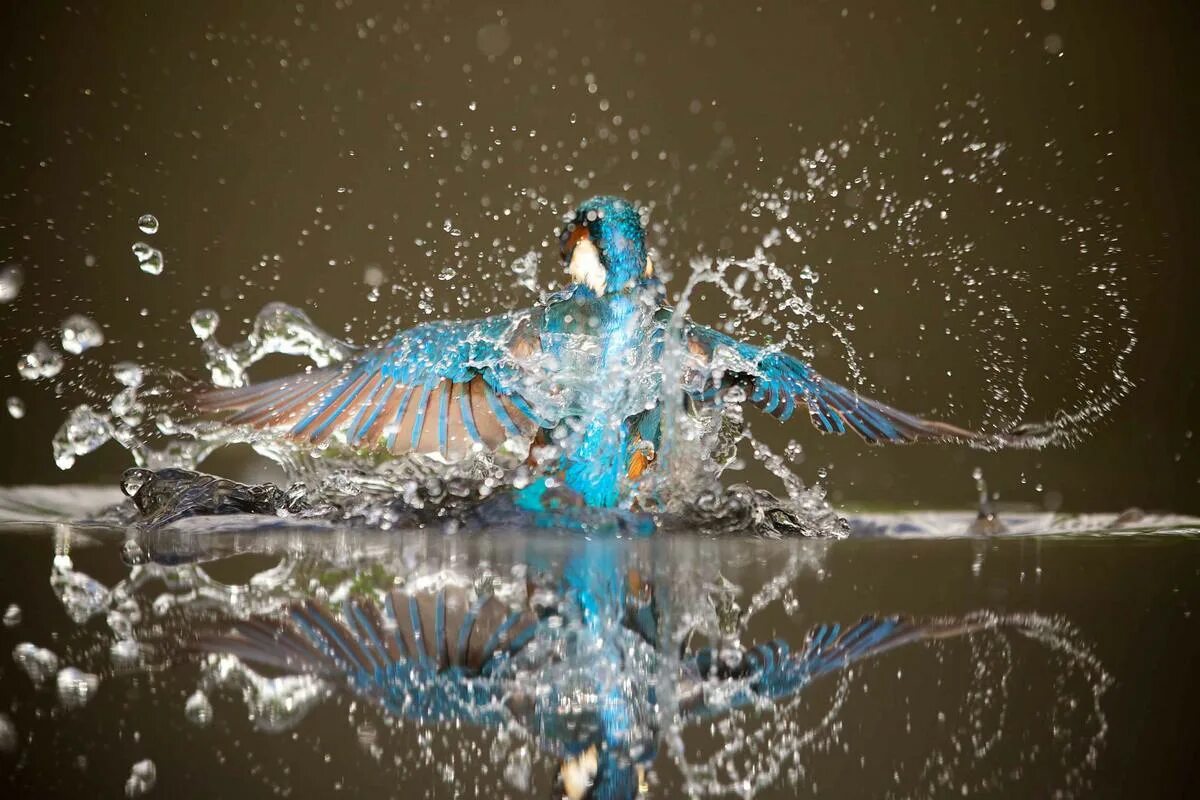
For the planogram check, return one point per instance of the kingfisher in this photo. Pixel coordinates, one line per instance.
(579, 375)
(581, 663)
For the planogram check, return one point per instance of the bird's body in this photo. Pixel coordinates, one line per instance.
(582, 370)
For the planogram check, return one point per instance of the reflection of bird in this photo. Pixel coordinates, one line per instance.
(586, 360)
(584, 671)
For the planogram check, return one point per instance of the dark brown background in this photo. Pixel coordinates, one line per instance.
(234, 122)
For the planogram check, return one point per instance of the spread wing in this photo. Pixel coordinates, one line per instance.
(779, 384)
(444, 387)
(772, 671)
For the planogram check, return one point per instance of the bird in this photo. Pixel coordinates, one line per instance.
(580, 663)
(581, 370)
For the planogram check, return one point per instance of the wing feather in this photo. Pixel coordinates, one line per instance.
(778, 383)
(444, 388)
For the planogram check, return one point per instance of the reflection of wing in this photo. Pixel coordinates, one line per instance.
(777, 383)
(437, 388)
(425, 656)
(772, 671)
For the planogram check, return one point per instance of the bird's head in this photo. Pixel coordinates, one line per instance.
(600, 773)
(604, 245)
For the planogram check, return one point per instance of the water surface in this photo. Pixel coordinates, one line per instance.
(1072, 679)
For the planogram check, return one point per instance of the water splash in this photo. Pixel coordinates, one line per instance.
(149, 259)
(148, 224)
(278, 328)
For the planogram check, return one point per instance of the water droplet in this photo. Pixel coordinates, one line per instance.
(12, 616)
(447, 274)
(11, 279)
(8, 735)
(149, 258)
(128, 373)
(76, 687)
(36, 662)
(83, 431)
(41, 362)
(142, 777)
(16, 407)
(80, 333)
(81, 595)
(148, 224)
(133, 553)
(198, 709)
(373, 276)
(493, 40)
(204, 323)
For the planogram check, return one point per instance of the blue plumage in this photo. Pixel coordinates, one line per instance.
(454, 388)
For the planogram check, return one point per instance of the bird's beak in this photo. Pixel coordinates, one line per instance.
(586, 267)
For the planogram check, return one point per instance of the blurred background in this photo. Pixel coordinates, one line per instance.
(982, 206)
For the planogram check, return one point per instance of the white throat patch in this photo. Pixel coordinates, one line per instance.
(585, 267)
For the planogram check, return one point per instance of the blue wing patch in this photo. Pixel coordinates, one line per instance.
(443, 388)
(779, 383)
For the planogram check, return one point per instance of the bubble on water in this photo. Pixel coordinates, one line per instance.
(129, 373)
(198, 709)
(36, 662)
(81, 595)
(83, 431)
(8, 735)
(11, 280)
(76, 687)
(80, 333)
(149, 259)
(41, 362)
(142, 777)
(16, 407)
(148, 224)
(12, 616)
